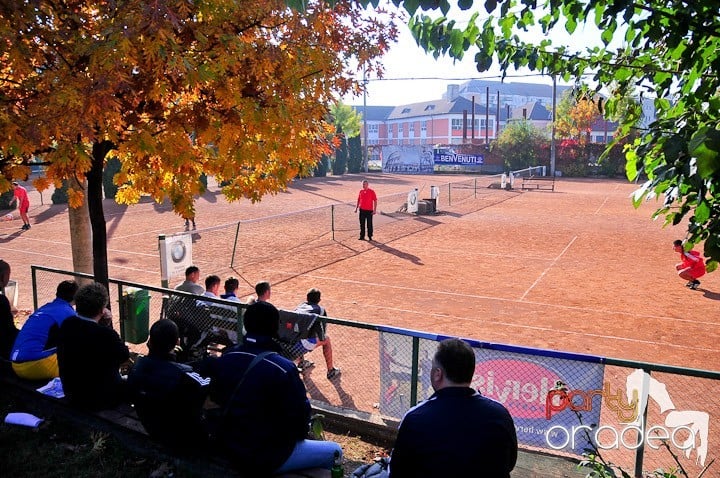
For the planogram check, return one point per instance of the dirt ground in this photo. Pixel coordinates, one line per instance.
(577, 269)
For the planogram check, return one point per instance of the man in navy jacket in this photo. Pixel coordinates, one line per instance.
(265, 413)
(457, 431)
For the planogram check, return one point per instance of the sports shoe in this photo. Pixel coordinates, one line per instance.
(361, 238)
(305, 364)
(333, 373)
(695, 284)
(690, 283)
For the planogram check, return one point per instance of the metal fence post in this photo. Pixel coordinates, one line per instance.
(414, 371)
(33, 274)
(640, 451)
(122, 313)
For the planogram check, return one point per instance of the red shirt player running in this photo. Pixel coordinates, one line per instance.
(23, 204)
(692, 266)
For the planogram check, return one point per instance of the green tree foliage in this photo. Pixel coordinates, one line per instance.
(346, 119)
(355, 159)
(341, 156)
(175, 88)
(670, 52)
(521, 145)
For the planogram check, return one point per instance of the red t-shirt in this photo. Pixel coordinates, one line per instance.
(22, 197)
(366, 199)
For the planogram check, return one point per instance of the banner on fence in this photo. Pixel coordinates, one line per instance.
(407, 159)
(522, 383)
(450, 158)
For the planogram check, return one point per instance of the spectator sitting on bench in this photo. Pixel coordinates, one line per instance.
(231, 287)
(192, 276)
(89, 354)
(263, 291)
(212, 288)
(168, 396)
(317, 337)
(34, 354)
(265, 412)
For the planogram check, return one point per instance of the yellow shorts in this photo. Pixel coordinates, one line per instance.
(43, 369)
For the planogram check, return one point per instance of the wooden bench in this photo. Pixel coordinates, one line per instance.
(546, 183)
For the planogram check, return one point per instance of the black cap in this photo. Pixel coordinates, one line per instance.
(262, 318)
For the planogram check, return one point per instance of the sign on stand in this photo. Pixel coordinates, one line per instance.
(175, 256)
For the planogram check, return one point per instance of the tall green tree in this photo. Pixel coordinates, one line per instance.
(670, 53)
(355, 154)
(522, 145)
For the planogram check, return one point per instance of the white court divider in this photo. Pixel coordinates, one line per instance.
(503, 181)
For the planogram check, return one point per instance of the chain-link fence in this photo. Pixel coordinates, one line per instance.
(639, 416)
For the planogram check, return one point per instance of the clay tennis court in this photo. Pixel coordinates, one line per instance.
(578, 269)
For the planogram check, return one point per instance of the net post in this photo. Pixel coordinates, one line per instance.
(332, 220)
(237, 234)
(449, 197)
(475, 187)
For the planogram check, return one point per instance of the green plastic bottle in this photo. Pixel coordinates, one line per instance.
(337, 470)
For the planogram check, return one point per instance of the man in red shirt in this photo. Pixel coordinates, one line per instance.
(23, 204)
(367, 203)
(692, 266)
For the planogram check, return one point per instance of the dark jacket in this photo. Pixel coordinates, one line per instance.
(8, 331)
(169, 399)
(455, 432)
(89, 359)
(270, 412)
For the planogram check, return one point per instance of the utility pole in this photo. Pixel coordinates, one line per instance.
(552, 136)
(365, 128)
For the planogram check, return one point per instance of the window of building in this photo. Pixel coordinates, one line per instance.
(400, 129)
(373, 128)
(405, 111)
(457, 124)
(411, 129)
(429, 107)
(423, 126)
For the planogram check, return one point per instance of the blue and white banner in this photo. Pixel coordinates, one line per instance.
(456, 159)
(546, 396)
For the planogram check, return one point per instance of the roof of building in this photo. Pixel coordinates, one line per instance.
(374, 113)
(519, 89)
(533, 111)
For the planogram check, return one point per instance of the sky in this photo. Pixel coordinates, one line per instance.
(413, 76)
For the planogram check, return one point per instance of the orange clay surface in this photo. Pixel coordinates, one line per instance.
(578, 269)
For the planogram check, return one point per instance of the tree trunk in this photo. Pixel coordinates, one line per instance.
(95, 210)
(80, 233)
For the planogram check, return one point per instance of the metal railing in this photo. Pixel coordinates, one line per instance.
(638, 415)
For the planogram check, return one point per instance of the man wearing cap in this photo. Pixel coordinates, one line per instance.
(264, 410)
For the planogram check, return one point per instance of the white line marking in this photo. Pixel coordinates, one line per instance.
(547, 269)
(601, 206)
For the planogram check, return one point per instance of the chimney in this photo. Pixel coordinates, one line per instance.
(453, 91)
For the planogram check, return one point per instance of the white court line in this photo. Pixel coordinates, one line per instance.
(547, 269)
(485, 297)
(601, 206)
(553, 332)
